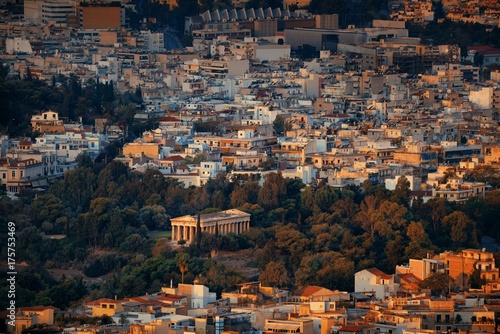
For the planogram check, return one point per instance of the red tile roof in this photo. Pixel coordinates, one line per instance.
(103, 300)
(308, 290)
(410, 278)
(173, 158)
(378, 272)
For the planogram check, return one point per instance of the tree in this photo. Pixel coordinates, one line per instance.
(274, 274)
(84, 160)
(476, 281)
(123, 319)
(182, 263)
(401, 193)
(419, 240)
(279, 125)
(161, 247)
(434, 211)
(438, 283)
(390, 219)
(238, 197)
(134, 243)
(272, 192)
(198, 232)
(462, 230)
(368, 216)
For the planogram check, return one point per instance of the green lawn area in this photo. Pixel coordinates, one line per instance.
(159, 234)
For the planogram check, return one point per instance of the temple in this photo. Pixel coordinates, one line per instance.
(225, 222)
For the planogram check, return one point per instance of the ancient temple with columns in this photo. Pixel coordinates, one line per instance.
(229, 221)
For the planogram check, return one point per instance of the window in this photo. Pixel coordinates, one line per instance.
(13, 173)
(111, 306)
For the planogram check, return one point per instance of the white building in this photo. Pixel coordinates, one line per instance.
(151, 42)
(199, 296)
(483, 97)
(56, 11)
(376, 282)
(18, 45)
(305, 173)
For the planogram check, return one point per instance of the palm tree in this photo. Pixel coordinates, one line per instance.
(182, 263)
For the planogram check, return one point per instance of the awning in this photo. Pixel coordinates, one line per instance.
(283, 327)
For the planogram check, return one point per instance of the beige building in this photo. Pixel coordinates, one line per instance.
(456, 190)
(29, 316)
(229, 221)
(47, 122)
(302, 326)
(150, 150)
(22, 174)
(105, 306)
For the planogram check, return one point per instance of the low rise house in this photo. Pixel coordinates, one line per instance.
(375, 282)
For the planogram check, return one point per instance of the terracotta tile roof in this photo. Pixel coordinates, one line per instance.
(351, 328)
(173, 158)
(25, 163)
(410, 278)
(25, 143)
(168, 119)
(378, 272)
(103, 300)
(308, 290)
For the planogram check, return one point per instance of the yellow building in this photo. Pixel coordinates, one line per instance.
(47, 122)
(29, 316)
(150, 150)
(18, 175)
(469, 259)
(105, 306)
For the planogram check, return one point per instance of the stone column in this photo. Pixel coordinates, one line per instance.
(193, 229)
(184, 232)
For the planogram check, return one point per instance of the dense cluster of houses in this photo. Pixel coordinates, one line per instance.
(375, 105)
(382, 304)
